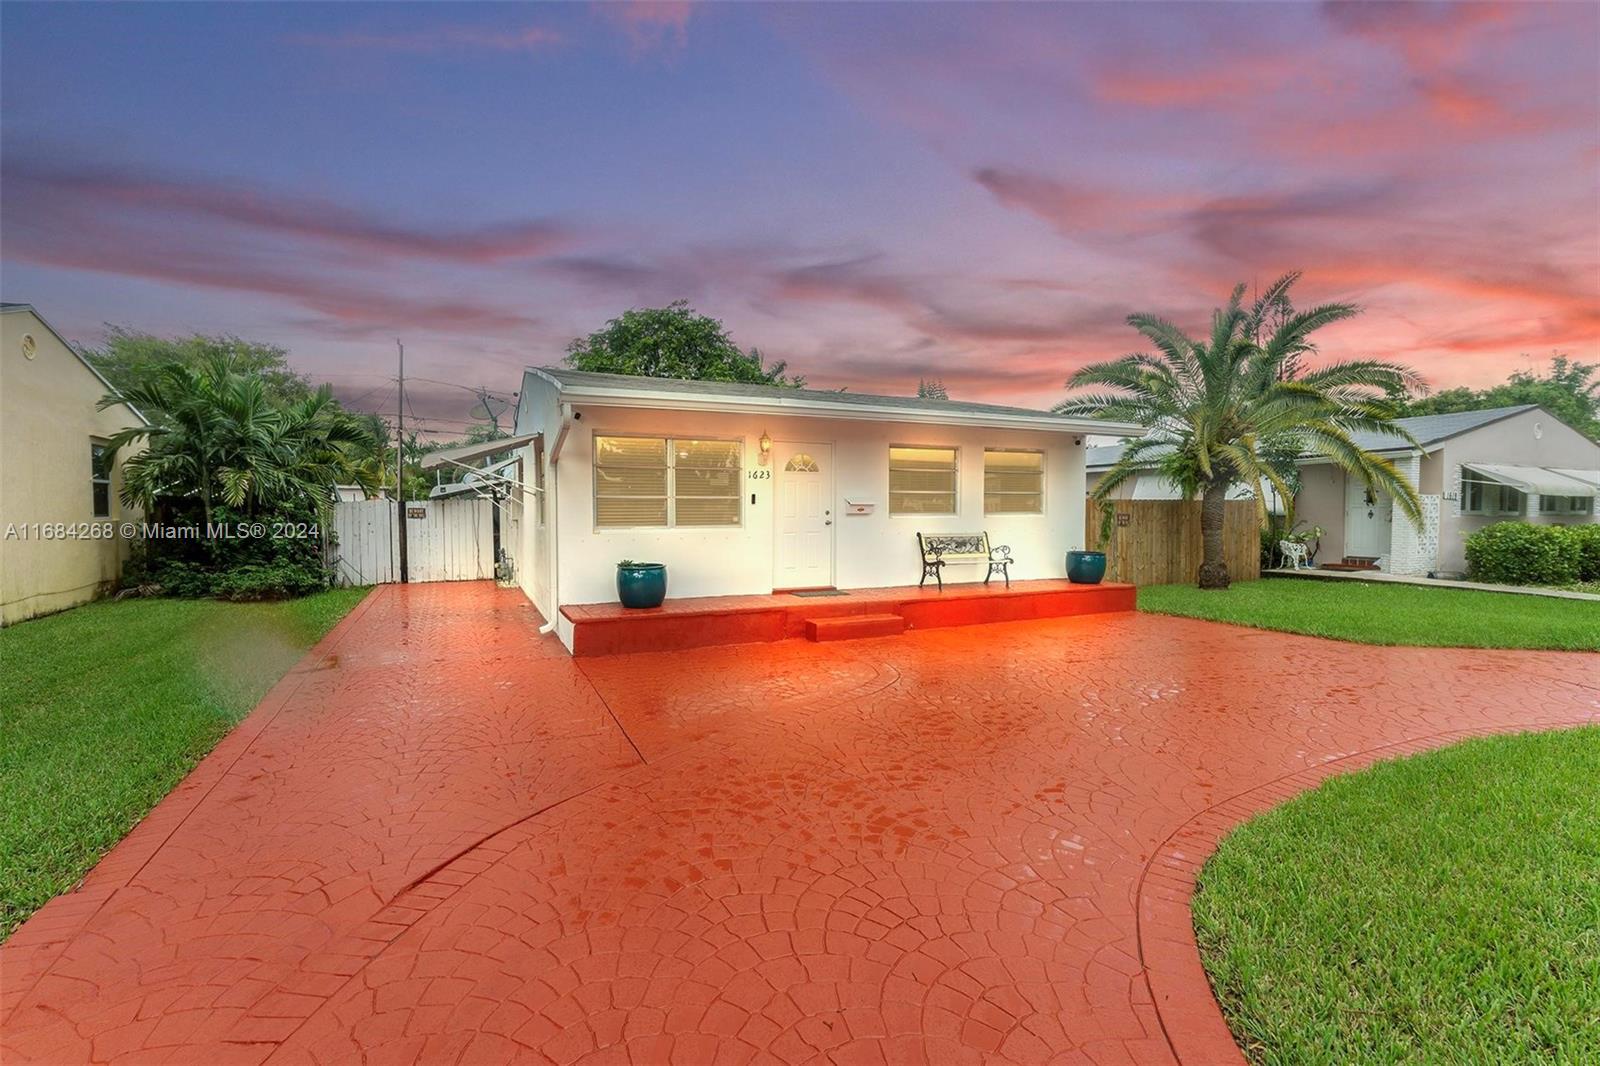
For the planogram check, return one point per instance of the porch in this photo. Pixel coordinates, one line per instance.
(695, 622)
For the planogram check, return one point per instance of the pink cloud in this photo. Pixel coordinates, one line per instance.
(101, 189)
(440, 39)
(650, 24)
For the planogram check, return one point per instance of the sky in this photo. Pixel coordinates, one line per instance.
(875, 193)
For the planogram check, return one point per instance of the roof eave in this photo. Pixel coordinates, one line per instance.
(675, 401)
(110, 388)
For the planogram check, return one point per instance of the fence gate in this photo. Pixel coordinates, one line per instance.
(446, 540)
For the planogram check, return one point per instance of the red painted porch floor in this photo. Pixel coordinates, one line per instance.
(441, 839)
(703, 621)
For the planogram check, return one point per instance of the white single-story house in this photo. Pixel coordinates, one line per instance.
(1471, 468)
(62, 539)
(748, 489)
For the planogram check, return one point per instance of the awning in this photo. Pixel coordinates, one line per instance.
(1533, 479)
(463, 454)
(1588, 477)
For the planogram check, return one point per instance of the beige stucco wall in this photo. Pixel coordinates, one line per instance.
(47, 420)
(1532, 438)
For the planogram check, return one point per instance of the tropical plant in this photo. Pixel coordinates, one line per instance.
(1224, 410)
(673, 342)
(217, 436)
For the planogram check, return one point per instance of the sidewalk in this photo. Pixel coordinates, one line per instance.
(1412, 579)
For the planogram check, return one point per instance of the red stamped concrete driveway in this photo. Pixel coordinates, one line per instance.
(441, 840)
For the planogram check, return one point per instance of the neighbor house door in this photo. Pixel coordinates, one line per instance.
(803, 521)
(1368, 518)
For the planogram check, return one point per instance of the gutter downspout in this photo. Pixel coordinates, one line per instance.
(552, 517)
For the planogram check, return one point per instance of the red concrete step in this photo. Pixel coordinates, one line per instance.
(851, 627)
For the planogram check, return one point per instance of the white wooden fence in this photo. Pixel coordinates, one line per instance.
(446, 540)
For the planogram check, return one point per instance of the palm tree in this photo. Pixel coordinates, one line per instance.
(217, 436)
(1223, 411)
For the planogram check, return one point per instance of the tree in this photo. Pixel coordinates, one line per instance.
(932, 389)
(1569, 390)
(217, 435)
(1221, 411)
(131, 357)
(672, 342)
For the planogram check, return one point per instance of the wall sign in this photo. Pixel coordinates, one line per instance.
(1124, 518)
(416, 512)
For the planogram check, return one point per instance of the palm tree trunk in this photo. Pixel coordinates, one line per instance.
(1213, 568)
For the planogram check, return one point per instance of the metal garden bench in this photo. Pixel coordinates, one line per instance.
(941, 548)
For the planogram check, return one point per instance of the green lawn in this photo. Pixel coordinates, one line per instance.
(108, 706)
(1443, 908)
(1372, 613)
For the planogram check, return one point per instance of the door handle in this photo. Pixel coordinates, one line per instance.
(829, 522)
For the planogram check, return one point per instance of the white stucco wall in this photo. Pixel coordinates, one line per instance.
(869, 550)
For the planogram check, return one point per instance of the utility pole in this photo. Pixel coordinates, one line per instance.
(400, 464)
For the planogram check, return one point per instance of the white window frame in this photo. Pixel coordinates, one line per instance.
(96, 482)
(672, 480)
(955, 450)
(1565, 505)
(1500, 489)
(1044, 502)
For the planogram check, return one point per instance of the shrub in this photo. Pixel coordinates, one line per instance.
(1519, 553)
(272, 581)
(1585, 541)
(232, 568)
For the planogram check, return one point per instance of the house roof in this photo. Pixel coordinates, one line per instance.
(9, 308)
(623, 390)
(1429, 430)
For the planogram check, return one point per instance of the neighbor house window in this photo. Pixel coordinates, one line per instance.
(1013, 481)
(660, 481)
(922, 480)
(100, 478)
(1566, 504)
(1490, 498)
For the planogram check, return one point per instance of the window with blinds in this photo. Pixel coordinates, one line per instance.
(706, 483)
(922, 480)
(1013, 481)
(656, 481)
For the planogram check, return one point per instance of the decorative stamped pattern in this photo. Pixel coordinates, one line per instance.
(443, 840)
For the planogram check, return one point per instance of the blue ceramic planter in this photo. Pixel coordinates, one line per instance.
(641, 584)
(1086, 568)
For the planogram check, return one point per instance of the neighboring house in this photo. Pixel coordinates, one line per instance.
(746, 489)
(1473, 468)
(60, 538)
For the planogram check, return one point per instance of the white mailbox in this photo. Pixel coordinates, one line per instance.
(859, 506)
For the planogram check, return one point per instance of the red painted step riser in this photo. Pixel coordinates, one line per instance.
(878, 625)
(674, 633)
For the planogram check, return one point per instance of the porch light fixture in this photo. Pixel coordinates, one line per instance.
(765, 444)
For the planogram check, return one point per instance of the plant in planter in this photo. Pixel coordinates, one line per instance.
(1311, 538)
(1086, 567)
(641, 584)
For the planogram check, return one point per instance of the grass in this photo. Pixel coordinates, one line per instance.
(1441, 908)
(1372, 613)
(108, 706)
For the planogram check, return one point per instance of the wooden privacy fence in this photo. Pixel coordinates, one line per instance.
(1157, 542)
(446, 540)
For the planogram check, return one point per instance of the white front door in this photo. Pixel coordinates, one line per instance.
(803, 557)
(1368, 518)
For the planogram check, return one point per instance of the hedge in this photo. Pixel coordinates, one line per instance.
(1520, 553)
